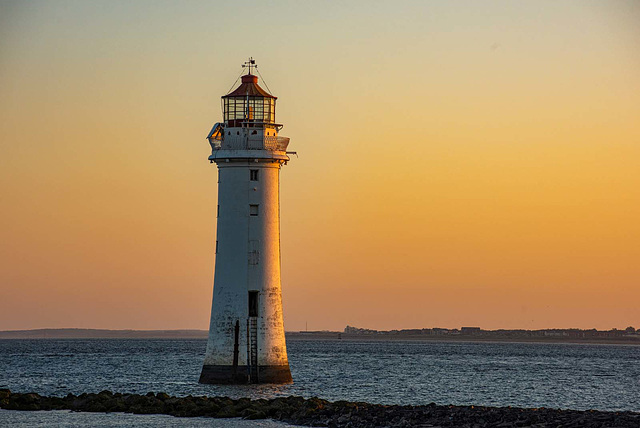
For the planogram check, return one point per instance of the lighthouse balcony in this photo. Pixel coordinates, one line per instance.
(250, 142)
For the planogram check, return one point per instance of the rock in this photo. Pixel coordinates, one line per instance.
(162, 396)
(318, 412)
(253, 414)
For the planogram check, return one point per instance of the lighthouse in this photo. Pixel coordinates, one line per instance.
(246, 335)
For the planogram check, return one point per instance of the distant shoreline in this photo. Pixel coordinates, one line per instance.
(94, 333)
(300, 336)
(79, 333)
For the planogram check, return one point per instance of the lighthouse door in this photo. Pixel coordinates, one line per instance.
(252, 326)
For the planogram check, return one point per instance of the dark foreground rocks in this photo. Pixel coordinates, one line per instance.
(318, 412)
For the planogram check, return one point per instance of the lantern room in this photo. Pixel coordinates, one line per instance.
(249, 105)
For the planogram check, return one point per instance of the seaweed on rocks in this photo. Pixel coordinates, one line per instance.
(318, 412)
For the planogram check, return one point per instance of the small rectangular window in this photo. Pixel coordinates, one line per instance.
(253, 174)
(253, 303)
(253, 210)
(216, 247)
(218, 211)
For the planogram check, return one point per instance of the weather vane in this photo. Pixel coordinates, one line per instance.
(251, 63)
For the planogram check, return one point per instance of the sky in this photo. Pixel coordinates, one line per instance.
(459, 163)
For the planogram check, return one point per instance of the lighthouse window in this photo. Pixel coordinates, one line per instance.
(253, 210)
(253, 303)
(253, 174)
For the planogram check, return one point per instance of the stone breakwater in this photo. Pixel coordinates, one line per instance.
(318, 412)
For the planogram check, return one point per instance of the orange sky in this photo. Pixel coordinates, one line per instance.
(460, 163)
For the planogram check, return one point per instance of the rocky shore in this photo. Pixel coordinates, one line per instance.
(318, 412)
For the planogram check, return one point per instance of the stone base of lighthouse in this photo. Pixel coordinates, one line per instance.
(240, 375)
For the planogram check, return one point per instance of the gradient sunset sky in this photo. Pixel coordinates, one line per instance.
(460, 162)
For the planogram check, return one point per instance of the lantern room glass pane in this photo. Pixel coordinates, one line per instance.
(253, 109)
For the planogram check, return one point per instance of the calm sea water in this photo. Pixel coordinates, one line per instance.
(604, 377)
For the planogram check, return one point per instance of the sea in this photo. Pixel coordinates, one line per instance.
(565, 376)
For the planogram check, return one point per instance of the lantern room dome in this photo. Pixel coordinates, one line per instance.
(249, 87)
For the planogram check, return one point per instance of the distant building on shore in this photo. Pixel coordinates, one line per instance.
(476, 332)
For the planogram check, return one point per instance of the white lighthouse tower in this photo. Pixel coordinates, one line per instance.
(246, 334)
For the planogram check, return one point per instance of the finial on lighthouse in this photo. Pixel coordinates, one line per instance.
(250, 63)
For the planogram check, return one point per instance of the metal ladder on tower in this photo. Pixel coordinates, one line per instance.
(253, 350)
